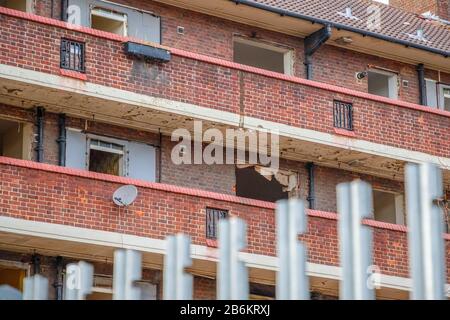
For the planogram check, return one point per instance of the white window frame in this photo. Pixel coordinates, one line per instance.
(123, 172)
(399, 201)
(288, 54)
(112, 15)
(392, 82)
(435, 83)
(441, 95)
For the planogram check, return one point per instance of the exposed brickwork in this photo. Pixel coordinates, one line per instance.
(85, 202)
(286, 102)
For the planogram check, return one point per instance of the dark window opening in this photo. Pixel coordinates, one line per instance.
(343, 115)
(105, 157)
(15, 139)
(212, 221)
(251, 184)
(262, 56)
(72, 55)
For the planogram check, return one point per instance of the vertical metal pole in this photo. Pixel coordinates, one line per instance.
(35, 288)
(127, 270)
(292, 281)
(79, 280)
(354, 203)
(178, 284)
(426, 226)
(233, 274)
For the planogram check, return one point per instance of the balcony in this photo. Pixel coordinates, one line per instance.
(115, 87)
(79, 202)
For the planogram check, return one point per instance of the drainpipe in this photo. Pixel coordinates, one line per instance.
(62, 140)
(312, 43)
(422, 84)
(310, 166)
(59, 278)
(64, 5)
(40, 134)
(36, 262)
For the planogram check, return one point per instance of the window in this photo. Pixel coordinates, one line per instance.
(72, 55)
(343, 115)
(388, 207)
(438, 95)
(383, 84)
(15, 139)
(21, 5)
(106, 157)
(120, 19)
(109, 21)
(110, 156)
(264, 56)
(212, 221)
(269, 187)
(445, 98)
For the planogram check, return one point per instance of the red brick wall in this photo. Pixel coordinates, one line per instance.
(332, 65)
(30, 194)
(268, 98)
(437, 7)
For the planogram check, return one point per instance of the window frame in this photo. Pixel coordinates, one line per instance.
(392, 82)
(106, 13)
(123, 166)
(441, 87)
(288, 53)
(211, 210)
(399, 203)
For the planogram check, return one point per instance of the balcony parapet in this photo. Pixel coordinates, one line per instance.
(46, 193)
(224, 85)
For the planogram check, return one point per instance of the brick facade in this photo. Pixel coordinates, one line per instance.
(162, 209)
(295, 102)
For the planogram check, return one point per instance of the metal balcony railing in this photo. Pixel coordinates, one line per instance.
(343, 115)
(72, 55)
(212, 221)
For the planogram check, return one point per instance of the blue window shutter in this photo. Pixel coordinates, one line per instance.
(141, 161)
(75, 149)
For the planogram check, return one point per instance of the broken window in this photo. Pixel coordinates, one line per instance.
(15, 139)
(383, 83)
(262, 183)
(106, 157)
(388, 207)
(111, 156)
(21, 5)
(109, 21)
(264, 56)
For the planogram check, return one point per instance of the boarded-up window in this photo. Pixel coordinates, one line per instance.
(139, 24)
(111, 156)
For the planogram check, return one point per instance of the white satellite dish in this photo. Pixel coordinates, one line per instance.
(125, 195)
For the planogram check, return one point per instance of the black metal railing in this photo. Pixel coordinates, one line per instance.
(343, 115)
(212, 221)
(72, 55)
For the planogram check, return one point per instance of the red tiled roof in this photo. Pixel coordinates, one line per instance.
(395, 23)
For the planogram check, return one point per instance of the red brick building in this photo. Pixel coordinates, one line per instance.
(355, 88)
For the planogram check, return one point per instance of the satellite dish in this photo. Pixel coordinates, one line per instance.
(125, 195)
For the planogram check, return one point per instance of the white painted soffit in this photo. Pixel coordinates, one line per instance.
(149, 245)
(190, 110)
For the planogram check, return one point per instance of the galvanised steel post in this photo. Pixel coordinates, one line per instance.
(178, 284)
(292, 281)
